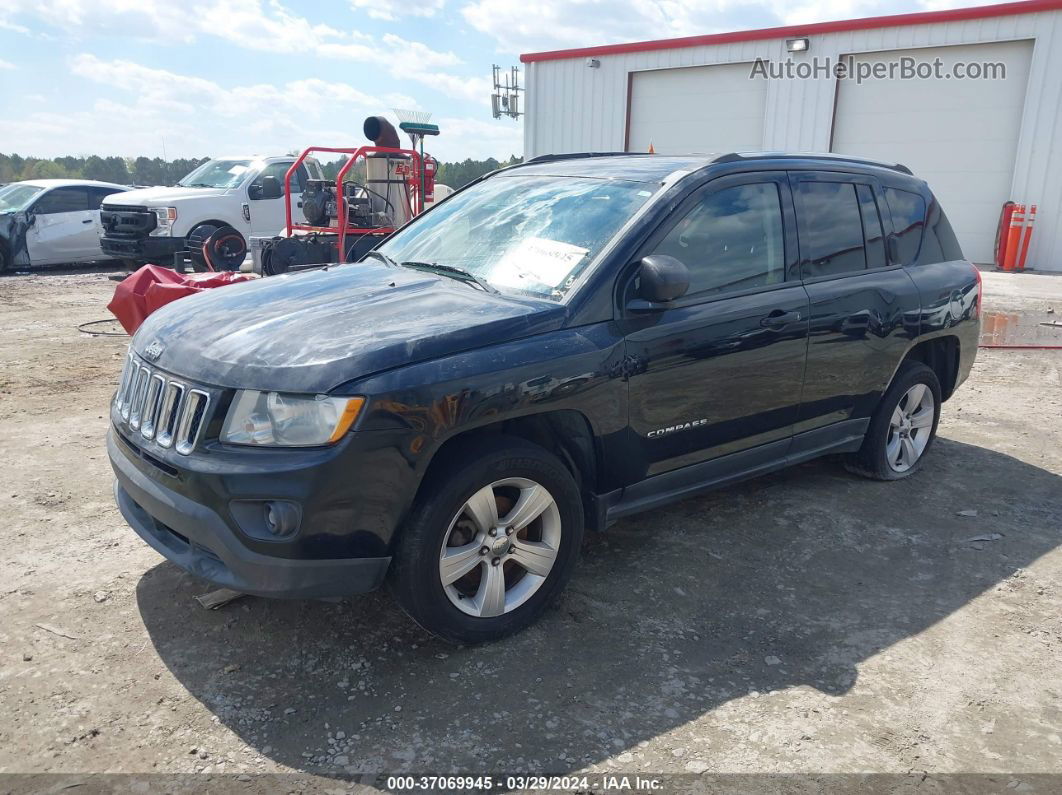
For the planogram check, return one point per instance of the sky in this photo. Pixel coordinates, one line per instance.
(221, 77)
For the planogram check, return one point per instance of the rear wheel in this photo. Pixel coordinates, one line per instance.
(492, 540)
(903, 426)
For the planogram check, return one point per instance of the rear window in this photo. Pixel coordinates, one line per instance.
(908, 216)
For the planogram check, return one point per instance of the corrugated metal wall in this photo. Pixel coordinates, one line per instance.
(573, 108)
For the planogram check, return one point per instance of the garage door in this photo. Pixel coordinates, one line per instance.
(958, 135)
(697, 109)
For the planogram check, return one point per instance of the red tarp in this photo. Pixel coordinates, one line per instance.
(145, 290)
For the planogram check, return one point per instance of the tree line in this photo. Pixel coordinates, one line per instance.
(119, 170)
(156, 171)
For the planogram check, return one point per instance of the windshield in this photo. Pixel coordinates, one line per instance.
(14, 198)
(525, 234)
(217, 174)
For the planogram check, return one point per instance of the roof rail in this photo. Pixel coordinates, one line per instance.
(576, 156)
(736, 156)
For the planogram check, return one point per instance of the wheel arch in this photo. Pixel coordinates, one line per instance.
(215, 222)
(567, 433)
(941, 355)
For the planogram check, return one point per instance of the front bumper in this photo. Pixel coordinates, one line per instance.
(199, 540)
(154, 249)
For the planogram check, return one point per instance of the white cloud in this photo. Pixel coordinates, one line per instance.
(479, 139)
(560, 24)
(381, 9)
(189, 116)
(6, 64)
(263, 25)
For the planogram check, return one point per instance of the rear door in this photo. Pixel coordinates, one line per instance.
(864, 306)
(64, 228)
(720, 369)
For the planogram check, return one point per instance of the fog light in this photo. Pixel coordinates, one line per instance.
(281, 518)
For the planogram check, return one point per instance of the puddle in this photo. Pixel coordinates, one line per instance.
(1021, 330)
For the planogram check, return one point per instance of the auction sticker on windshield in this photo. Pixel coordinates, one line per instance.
(537, 260)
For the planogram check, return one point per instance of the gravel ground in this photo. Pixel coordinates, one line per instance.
(805, 622)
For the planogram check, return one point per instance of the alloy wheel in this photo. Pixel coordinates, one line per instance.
(500, 547)
(910, 427)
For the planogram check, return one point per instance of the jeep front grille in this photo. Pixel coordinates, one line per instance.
(171, 412)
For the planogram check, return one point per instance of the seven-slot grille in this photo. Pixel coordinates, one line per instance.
(171, 412)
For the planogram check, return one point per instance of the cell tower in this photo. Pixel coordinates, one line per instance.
(505, 101)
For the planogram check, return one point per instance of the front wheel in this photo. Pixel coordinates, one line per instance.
(492, 540)
(903, 426)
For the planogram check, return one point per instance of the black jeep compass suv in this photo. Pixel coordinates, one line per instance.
(556, 346)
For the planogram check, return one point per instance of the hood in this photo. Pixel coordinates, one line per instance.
(162, 197)
(311, 332)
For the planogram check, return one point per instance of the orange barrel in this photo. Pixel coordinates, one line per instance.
(1005, 212)
(1017, 222)
(1026, 236)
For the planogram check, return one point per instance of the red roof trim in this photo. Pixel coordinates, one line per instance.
(792, 31)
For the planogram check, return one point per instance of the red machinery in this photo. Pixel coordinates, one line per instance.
(412, 172)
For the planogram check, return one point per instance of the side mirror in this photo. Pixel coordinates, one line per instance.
(661, 279)
(268, 189)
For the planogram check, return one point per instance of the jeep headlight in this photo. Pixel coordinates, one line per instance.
(276, 419)
(164, 218)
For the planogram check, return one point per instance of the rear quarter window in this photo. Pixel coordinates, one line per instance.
(939, 243)
(908, 217)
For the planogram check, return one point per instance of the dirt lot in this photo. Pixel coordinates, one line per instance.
(809, 621)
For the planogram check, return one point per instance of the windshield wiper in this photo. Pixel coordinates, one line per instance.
(451, 270)
(195, 185)
(382, 257)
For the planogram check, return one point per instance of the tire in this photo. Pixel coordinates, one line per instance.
(900, 429)
(4, 260)
(469, 608)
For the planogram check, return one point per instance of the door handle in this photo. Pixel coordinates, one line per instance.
(87, 221)
(779, 318)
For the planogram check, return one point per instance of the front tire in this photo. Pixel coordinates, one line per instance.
(491, 541)
(903, 427)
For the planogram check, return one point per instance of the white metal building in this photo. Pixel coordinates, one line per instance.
(978, 142)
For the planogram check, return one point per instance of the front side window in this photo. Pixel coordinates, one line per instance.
(531, 235)
(279, 170)
(830, 227)
(217, 174)
(731, 240)
(908, 216)
(62, 200)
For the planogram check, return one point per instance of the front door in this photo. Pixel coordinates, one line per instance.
(268, 216)
(721, 369)
(64, 228)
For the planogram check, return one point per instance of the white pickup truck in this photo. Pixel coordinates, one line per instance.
(224, 201)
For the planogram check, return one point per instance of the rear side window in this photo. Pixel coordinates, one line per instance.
(939, 243)
(731, 240)
(830, 226)
(908, 216)
(873, 234)
(97, 195)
